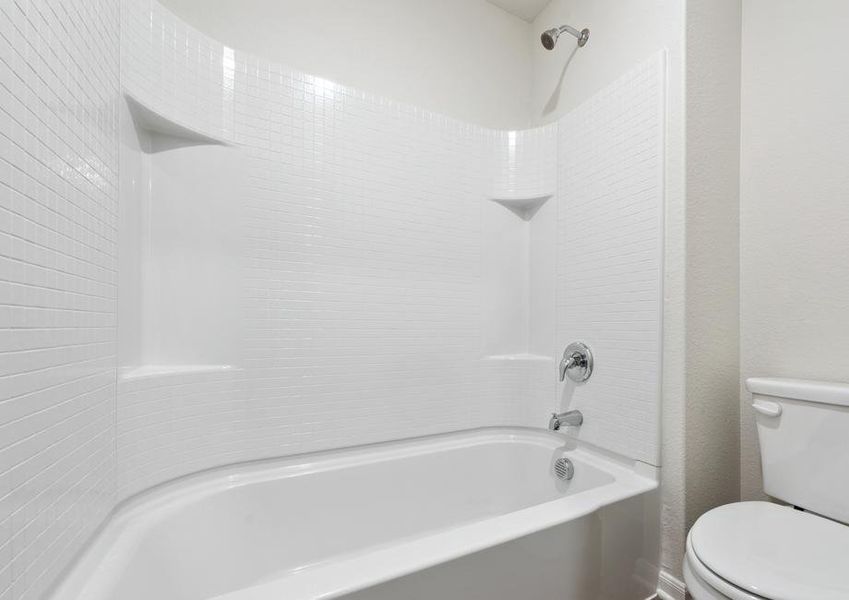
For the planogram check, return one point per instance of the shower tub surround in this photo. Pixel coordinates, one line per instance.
(395, 273)
(304, 267)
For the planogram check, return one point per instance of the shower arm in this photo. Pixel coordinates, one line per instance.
(582, 35)
(571, 30)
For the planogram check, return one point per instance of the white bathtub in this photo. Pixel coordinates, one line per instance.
(470, 515)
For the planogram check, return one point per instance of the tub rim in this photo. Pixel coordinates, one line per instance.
(371, 566)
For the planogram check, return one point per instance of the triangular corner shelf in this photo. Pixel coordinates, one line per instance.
(147, 119)
(524, 207)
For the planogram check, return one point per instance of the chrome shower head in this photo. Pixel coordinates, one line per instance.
(549, 37)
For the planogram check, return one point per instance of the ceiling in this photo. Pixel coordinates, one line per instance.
(524, 9)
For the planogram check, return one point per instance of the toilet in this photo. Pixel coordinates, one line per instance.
(798, 551)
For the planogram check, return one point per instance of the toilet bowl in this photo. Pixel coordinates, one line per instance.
(767, 551)
(764, 551)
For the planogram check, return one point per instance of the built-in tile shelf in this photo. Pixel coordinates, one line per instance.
(146, 371)
(524, 207)
(148, 119)
(520, 357)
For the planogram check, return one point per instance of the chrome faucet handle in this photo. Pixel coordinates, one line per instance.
(577, 362)
(567, 363)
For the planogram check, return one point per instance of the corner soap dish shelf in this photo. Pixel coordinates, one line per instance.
(148, 119)
(524, 207)
(149, 371)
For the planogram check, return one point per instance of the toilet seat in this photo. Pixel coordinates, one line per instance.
(760, 550)
(703, 584)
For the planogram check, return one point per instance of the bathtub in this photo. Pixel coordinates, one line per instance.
(470, 515)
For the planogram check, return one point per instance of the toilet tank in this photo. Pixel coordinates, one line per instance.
(803, 431)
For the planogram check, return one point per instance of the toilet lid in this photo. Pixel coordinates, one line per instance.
(775, 551)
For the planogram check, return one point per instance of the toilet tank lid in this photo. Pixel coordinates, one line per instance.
(823, 392)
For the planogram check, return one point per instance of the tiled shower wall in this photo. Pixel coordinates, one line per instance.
(363, 262)
(59, 79)
(610, 249)
(362, 290)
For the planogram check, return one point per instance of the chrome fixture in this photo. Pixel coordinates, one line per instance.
(564, 469)
(549, 37)
(577, 362)
(570, 418)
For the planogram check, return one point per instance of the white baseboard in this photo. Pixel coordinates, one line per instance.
(670, 588)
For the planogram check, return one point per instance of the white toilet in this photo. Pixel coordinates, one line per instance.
(761, 550)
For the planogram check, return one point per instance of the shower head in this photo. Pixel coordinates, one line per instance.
(549, 37)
